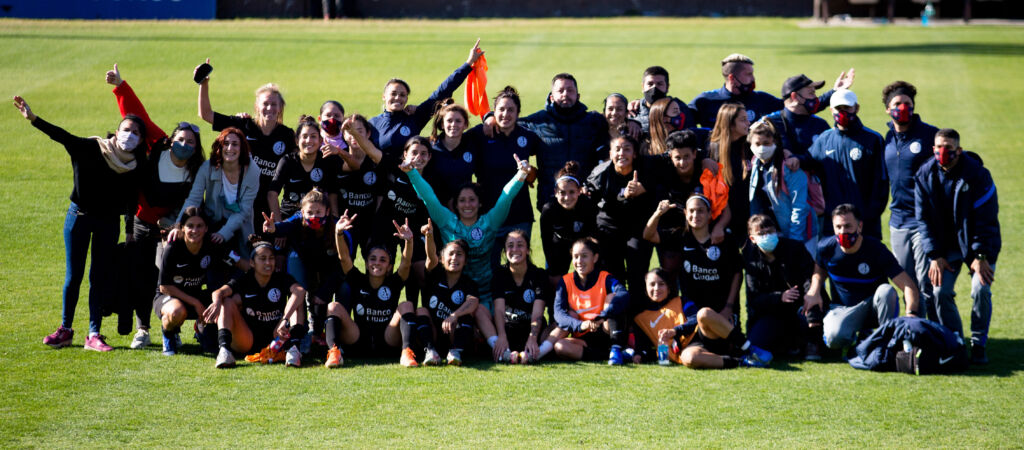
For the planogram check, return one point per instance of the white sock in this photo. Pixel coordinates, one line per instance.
(492, 340)
(93, 334)
(545, 348)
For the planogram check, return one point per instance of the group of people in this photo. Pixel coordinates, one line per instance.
(257, 243)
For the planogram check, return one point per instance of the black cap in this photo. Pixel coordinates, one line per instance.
(798, 82)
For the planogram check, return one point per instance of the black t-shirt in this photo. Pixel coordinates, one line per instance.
(708, 269)
(400, 199)
(191, 273)
(519, 298)
(856, 276)
(373, 307)
(292, 178)
(358, 190)
(561, 226)
(672, 188)
(265, 150)
(442, 300)
(262, 306)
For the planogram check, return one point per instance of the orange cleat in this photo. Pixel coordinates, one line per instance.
(334, 358)
(408, 358)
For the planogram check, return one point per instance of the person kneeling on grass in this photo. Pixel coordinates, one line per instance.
(521, 291)
(259, 308)
(449, 300)
(190, 269)
(374, 296)
(589, 304)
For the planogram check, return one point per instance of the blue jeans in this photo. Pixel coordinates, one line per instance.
(981, 297)
(79, 228)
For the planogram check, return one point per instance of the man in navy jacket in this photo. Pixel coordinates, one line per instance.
(848, 159)
(957, 210)
(906, 145)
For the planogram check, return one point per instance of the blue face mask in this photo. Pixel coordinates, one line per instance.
(181, 150)
(767, 242)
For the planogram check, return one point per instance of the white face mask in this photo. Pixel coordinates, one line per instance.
(127, 140)
(763, 152)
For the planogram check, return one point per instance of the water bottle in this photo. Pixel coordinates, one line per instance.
(275, 347)
(927, 14)
(663, 354)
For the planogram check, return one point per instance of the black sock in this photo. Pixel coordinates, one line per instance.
(412, 291)
(424, 333)
(295, 334)
(463, 333)
(224, 337)
(333, 328)
(730, 362)
(618, 336)
(405, 326)
(736, 338)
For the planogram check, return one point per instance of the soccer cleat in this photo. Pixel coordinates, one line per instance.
(813, 352)
(756, 357)
(409, 358)
(224, 358)
(506, 356)
(171, 344)
(526, 357)
(97, 342)
(978, 356)
(334, 359)
(431, 358)
(513, 358)
(60, 338)
(454, 357)
(293, 357)
(615, 357)
(141, 339)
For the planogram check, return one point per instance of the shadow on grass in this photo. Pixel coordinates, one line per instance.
(968, 48)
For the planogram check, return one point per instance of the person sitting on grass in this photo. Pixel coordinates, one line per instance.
(589, 308)
(189, 264)
(262, 308)
(374, 296)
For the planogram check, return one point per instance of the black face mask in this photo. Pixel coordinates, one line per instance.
(653, 94)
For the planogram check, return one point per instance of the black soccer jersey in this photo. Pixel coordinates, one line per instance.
(191, 273)
(519, 299)
(370, 306)
(708, 270)
(262, 306)
(440, 298)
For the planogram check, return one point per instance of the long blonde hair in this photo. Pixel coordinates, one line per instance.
(273, 89)
(722, 136)
(657, 126)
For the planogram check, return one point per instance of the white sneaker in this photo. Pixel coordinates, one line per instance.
(293, 357)
(431, 358)
(455, 358)
(141, 339)
(225, 359)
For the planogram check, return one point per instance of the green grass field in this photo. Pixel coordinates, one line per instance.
(968, 78)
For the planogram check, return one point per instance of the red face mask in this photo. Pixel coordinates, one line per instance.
(331, 126)
(677, 122)
(902, 113)
(847, 240)
(944, 155)
(315, 223)
(842, 118)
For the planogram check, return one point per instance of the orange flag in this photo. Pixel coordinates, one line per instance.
(476, 89)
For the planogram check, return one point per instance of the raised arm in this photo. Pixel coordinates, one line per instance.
(496, 216)
(205, 110)
(129, 103)
(404, 233)
(344, 224)
(371, 150)
(437, 211)
(429, 247)
(651, 230)
(426, 109)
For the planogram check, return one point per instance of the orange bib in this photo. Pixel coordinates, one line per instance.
(670, 315)
(587, 304)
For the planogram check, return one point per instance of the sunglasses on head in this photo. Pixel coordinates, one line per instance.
(189, 126)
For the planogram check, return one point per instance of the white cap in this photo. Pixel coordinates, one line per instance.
(843, 97)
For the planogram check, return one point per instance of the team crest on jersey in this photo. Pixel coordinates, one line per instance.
(369, 178)
(293, 196)
(856, 153)
(316, 175)
(577, 226)
(751, 115)
(274, 294)
(384, 293)
(205, 262)
(458, 297)
(467, 157)
(714, 253)
(686, 266)
(279, 148)
(342, 193)
(863, 268)
(915, 147)
(433, 301)
(391, 195)
(521, 141)
(528, 296)
(404, 130)
(360, 310)
(178, 279)
(476, 234)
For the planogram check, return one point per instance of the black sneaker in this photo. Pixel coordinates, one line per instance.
(978, 355)
(813, 352)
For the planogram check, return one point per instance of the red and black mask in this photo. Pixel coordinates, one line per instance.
(902, 113)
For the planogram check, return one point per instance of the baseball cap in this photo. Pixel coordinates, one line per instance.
(843, 97)
(798, 82)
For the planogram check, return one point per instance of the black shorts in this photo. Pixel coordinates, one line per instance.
(517, 335)
(161, 299)
(371, 344)
(599, 344)
(716, 346)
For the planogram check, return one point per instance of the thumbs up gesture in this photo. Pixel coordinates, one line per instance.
(634, 188)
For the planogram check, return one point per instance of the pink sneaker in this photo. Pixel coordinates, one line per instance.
(60, 338)
(97, 343)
